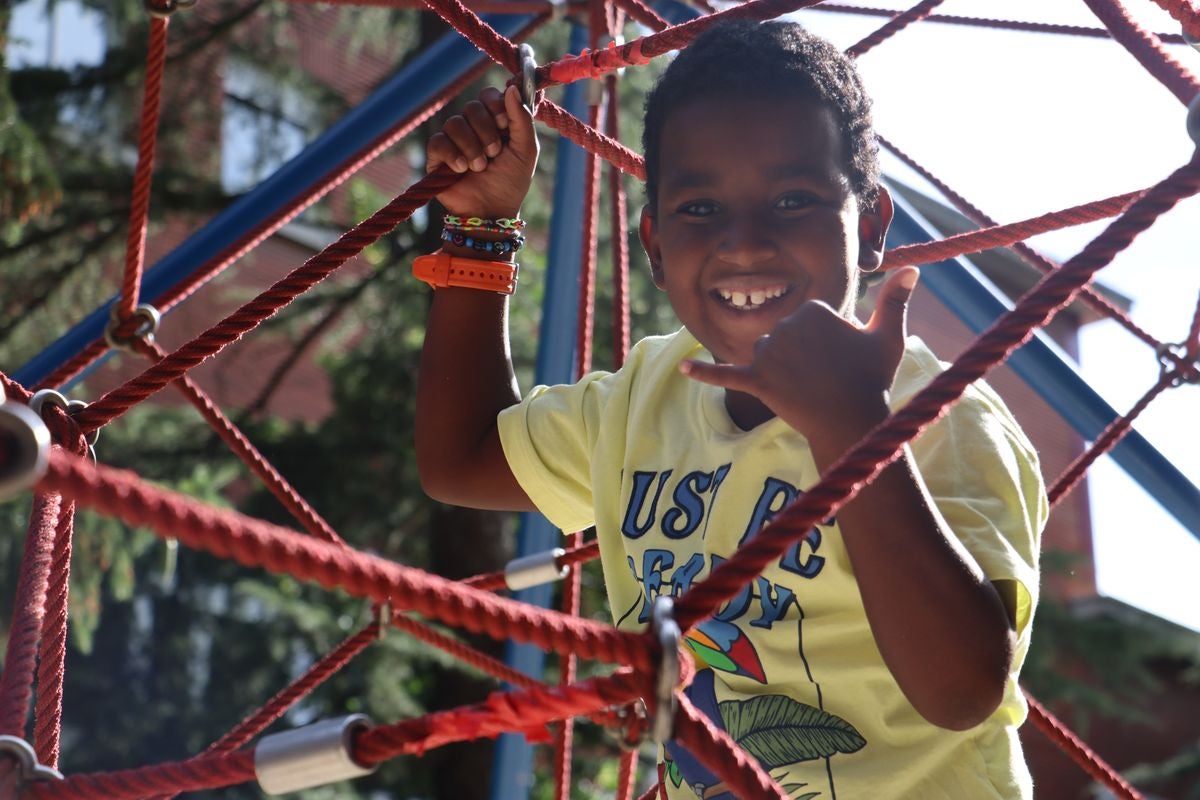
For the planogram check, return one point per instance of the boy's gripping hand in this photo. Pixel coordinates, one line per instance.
(824, 374)
(493, 144)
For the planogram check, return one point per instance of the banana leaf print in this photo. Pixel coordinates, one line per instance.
(779, 731)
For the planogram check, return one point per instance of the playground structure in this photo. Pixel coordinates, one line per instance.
(648, 669)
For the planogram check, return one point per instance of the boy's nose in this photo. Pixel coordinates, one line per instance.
(746, 242)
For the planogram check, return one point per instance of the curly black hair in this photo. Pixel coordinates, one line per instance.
(752, 58)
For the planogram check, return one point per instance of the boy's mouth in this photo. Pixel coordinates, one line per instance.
(751, 299)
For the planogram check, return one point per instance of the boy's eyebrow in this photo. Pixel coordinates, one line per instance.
(697, 179)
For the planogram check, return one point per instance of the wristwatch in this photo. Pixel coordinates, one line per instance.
(442, 269)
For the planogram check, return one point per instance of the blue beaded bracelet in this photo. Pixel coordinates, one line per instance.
(500, 246)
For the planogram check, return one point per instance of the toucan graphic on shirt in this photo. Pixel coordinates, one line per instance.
(777, 730)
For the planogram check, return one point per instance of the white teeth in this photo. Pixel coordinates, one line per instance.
(753, 298)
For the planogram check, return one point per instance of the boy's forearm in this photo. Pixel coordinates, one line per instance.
(939, 624)
(465, 379)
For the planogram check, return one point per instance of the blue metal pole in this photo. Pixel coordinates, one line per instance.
(512, 765)
(1048, 372)
(411, 88)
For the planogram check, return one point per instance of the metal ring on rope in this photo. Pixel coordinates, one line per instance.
(24, 448)
(146, 328)
(28, 768)
(165, 8)
(528, 77)
(666, 631)
(71, 407)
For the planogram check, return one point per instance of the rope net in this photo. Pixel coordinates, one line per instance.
(34, 661)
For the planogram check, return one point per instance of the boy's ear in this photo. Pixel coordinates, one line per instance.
(872, 231)
(648, 233)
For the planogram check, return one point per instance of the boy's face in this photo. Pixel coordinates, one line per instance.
(755, 215)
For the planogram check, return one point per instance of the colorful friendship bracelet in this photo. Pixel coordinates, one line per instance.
(469, 224)
(500, 247)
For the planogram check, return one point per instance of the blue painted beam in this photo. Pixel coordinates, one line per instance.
(411, 88)
(1048, 371)
(512, 769)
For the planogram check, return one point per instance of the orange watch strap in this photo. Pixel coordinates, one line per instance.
(442, 269)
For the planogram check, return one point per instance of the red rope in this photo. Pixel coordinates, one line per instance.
(593, 64)
(1192, 344)
(478, 32)
(233, 327)
(1071, 744)
(865, 460)
(626, 774)
(1030, 256)
(47, 727)
(525, 711)
(1001, 24)
(1004, 235)
(620, 237)
(202, 772)
(139, 212)
(242, 447)
(29, 611)
(1108, 439)
(1185, 13)
(744, 776)
(255, 543)
(898, 23)
(491, 581)
(591, 140)
(1146, 49)
(643, 14)
(587, 270)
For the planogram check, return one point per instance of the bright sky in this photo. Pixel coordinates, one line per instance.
(1021, 124)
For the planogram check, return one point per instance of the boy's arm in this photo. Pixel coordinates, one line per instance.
(466, 377)
(940, 625)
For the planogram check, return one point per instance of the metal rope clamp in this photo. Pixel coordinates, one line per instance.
(1173, 357)
(1193, 120)
(164, 9)
(314, 755)
(528, 77)
(535, 569)
(1187, 38)
(146, 327)
(28, 768)
(72, 407)
(24, 448)
(666, 631)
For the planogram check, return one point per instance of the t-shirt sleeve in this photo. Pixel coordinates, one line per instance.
(984, 477)
(548, 440)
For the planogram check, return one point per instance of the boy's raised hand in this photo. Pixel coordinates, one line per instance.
(496, 173)
(822, 373)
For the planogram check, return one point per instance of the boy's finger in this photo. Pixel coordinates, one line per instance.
(728, 376)
(520, 124)
(441, 150)
(486, 131)
(891, 309)
(493, 98)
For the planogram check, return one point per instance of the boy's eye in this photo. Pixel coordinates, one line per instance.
(698, 208)
(795, 201)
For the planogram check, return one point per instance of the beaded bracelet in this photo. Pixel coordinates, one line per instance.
(470, 224)
(501, 247)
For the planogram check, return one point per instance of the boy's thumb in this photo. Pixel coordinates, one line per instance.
(520, 121)
(893, 301)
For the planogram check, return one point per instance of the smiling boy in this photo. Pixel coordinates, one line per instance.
(878, 658)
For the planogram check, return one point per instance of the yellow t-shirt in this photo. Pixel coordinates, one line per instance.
(672, 485)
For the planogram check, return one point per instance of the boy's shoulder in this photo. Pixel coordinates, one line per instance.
(920, 366)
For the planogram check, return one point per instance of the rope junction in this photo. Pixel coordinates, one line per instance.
(37, 644)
